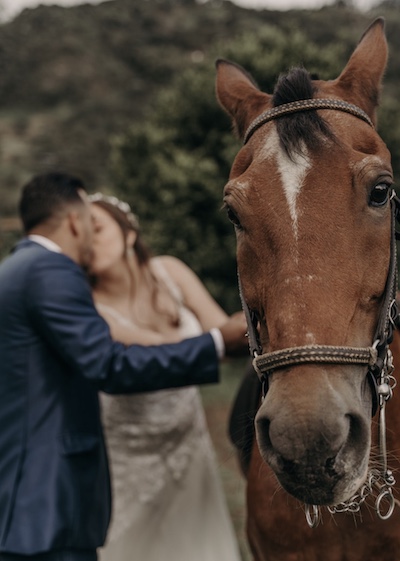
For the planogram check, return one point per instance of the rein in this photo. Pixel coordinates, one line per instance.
(377, 358)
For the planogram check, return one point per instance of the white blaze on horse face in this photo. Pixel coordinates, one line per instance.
(292, 171)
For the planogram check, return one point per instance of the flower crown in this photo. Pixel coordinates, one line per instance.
(120, 205)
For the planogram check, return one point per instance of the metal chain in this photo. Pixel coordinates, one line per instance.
(379, 482)
(375, 481)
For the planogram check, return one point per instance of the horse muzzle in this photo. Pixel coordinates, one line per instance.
(317, 445)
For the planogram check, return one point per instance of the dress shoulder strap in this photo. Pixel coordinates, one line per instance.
(162, 273)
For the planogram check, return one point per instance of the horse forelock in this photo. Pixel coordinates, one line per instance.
(300, 129)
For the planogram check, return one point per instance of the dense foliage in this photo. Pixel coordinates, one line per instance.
(122, 93)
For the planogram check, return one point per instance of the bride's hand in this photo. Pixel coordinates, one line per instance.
(234, 333)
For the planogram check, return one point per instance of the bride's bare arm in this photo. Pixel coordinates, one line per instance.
(195, 295)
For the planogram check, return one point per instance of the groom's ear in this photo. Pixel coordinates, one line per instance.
(74, 222)
(79, 226)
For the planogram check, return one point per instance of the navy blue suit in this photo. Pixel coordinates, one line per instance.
(55, 354)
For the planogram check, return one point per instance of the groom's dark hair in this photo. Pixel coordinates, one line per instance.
(47, 197)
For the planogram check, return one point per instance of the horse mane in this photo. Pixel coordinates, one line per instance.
(302, 129)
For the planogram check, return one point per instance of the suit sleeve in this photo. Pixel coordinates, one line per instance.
(60, 305)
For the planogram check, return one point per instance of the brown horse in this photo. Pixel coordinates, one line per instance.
(311, 199)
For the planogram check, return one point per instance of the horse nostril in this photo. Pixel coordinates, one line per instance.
(330, 467)
(264, 440)
(358, 436)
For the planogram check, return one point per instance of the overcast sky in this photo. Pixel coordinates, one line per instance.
(11, 8)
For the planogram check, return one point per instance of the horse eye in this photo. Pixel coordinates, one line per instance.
(233, 217)
(379, 195)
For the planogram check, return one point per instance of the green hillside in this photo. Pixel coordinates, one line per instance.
(71, 78)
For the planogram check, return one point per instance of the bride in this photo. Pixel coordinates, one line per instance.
(168, 503)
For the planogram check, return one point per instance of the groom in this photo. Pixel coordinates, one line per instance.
(55, 354)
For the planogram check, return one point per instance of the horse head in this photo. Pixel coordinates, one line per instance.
(309, 196)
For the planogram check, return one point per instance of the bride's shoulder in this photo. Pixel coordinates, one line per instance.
(172, 265)
(167, 266)
(167, 261)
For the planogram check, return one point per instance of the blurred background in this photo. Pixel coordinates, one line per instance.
(121, 93)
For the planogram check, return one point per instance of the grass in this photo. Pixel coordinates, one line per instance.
(217, 402)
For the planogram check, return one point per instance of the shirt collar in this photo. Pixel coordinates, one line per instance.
(45, 242)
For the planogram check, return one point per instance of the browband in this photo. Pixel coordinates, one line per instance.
(304, 105)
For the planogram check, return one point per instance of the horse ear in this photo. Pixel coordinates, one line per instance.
(360, 81)
(238, 94)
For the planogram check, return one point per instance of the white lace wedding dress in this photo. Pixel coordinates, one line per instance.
(168, 503)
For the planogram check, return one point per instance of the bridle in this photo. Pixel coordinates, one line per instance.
(304, 105)
(377, 358)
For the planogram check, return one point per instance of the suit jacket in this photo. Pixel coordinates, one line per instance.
(55, 354)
